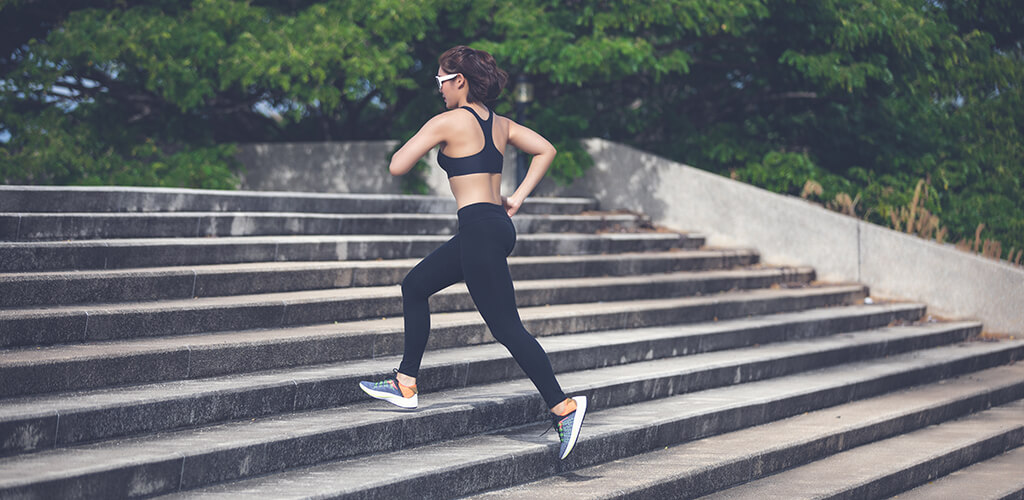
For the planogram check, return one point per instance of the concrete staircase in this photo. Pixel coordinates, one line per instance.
(208, 344)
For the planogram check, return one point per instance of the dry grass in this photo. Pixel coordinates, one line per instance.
(915, 219)
(993, 337)
(989, 248)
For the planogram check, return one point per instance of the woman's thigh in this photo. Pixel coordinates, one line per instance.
(437, 271)
(485, 268)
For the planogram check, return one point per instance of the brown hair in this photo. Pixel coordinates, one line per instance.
(486, 79)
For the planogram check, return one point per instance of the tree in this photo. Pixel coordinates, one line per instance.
(865, 98)
(156, 93)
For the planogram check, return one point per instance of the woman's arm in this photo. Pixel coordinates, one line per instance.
(543, 152)
(430, 135)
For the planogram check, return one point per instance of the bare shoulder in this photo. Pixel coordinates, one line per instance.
(446, 117)
(503, 124)
(457, 117)
(444, 123)
(513, 127)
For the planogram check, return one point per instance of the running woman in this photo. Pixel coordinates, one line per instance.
(473, 140)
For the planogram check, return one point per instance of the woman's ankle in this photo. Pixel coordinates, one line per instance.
(405, 379)
(565, 407)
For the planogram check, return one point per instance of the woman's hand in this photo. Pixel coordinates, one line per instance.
(511, 205)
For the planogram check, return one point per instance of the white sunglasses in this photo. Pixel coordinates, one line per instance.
(445, 78)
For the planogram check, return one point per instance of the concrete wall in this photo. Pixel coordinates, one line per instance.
(336, 167)
(786, 230)
(323, 167)
(789, 230)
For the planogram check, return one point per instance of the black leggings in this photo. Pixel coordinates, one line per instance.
(477, 255)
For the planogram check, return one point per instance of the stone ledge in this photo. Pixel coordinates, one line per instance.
(56, 288)
(60, 199)
(704, 466)
(787, 230)
(495, 460)
(117, 412)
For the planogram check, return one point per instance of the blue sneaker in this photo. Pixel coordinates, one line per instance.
(569, 426)
(391, 391)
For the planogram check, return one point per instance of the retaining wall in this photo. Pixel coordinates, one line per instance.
(785, 229)
(789, 230)
(336, 167)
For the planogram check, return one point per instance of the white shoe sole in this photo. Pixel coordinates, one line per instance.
(577, 424)
(407, 403)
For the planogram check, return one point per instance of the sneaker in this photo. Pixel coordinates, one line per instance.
(389, 390)
(569, 426)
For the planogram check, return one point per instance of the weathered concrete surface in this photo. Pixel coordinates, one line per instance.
(84, 199)
(998, 477)
(789, 230)
(123, 411)
(333, 167)
(294, 308)
(142, 360)
(700, 467)
(495, 460)
(269, 401)
(105, 286)
(339, 167)
(884, 468)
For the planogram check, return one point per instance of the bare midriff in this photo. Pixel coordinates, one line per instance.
(476, 188)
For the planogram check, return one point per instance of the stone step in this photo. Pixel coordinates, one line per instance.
(881, 469)
(41, 422)
(63, 324)
(511, 455)
(141, 199)
(997, 478)
(707, 465)
(101, 364)
(146, 284)
(192, 458)
(86, 226)
(151, 252)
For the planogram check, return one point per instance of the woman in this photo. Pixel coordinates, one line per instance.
(473, 140)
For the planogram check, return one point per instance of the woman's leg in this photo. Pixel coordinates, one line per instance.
(435, 272)
(484, 248)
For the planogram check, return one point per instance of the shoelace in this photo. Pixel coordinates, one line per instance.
(383, 383)
(557, 426)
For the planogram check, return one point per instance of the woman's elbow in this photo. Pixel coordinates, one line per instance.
(395, 169)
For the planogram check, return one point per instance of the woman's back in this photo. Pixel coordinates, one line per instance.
(467, 133)
(472, 155)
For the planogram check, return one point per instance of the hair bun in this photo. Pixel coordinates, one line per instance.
(486, 79)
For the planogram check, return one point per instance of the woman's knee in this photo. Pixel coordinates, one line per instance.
(412, 288)
(513, 338)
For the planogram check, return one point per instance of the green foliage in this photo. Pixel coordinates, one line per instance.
(62, 150)
(864, 97)
(780, 172)
(571, 162)
(875, 96)
(135, 94)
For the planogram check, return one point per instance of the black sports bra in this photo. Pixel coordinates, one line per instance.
(487, 161)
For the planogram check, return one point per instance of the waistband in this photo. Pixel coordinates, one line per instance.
(480, 211)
